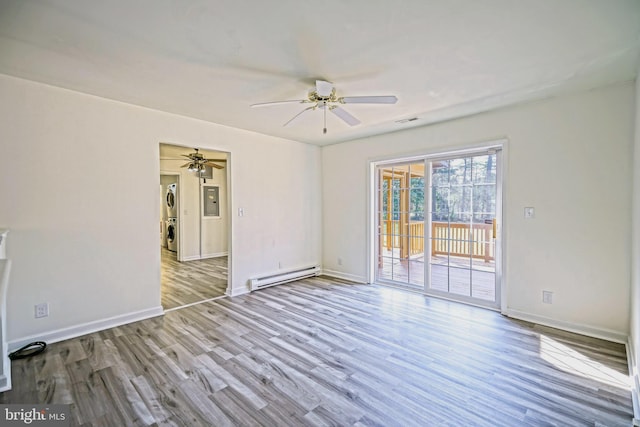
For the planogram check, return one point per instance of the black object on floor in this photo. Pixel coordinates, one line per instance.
(28, 350)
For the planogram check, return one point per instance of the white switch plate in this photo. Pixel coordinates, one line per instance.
(547, 297)
(529, 212)
(240, 211)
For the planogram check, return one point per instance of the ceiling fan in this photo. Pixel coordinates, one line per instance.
(324, 97)
(197, 162)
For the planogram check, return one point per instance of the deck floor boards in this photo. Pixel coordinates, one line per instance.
(455, 275)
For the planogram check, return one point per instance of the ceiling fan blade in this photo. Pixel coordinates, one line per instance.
(290, 122)
(323, 89)
(368, 99)
(214, 165)
(185, 165)
(269, 104)
(345, 116)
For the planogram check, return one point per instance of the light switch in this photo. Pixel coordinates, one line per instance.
(240, 211)
(529, 212)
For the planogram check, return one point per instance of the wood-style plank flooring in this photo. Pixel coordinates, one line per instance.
(324, 352)
(189, 282)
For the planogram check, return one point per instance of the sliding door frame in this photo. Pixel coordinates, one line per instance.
(500, 146)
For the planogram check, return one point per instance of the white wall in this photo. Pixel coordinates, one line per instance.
(634, 337)
(214, 229)
(569, 157)
(79, 191)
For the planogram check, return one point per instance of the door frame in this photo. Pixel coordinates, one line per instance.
(427, 156)
(228, 207)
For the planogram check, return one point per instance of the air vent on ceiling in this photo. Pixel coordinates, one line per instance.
(412, 119)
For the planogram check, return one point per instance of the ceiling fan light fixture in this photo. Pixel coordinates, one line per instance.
(324, 89)
(323, 96)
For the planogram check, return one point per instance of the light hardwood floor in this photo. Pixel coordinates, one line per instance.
(325, 352)
(188, 282)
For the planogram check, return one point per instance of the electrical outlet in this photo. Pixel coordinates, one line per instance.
(547, 297)
(529, 212)
(42, 310)
(279, 264)
(339, 261)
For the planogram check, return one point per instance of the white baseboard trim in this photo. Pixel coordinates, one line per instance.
(590, 331)
(344, 276)
(86, 328)
(205, 256)
(238, 291)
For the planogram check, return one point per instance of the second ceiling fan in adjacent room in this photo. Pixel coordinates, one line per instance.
(197, 162)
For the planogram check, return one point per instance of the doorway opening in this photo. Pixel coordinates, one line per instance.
(195, 266)
(436, 224)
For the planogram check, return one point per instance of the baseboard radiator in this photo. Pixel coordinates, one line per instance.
(284, 277)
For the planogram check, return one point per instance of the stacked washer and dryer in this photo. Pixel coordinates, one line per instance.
(172, 217)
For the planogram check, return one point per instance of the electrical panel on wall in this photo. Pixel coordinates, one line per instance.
(211, 205)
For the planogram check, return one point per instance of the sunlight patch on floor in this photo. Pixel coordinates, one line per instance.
(573, 362)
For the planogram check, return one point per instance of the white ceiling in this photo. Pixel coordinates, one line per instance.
(212, 59)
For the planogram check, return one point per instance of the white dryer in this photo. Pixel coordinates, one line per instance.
(172, 200)
(172, 234)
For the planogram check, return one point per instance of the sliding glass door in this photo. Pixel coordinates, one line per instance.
(453, 250)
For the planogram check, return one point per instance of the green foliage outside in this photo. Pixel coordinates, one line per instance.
(462, 190)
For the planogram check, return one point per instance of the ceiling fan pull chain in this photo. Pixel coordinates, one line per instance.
(324, 130)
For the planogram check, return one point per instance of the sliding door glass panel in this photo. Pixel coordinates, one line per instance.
(416, 224)
(385, 226)
(400, 201)
(462, 212)
(460, 281)
(484, 173)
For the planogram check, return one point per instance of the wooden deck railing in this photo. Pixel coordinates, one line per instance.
(462, 240)
(392, 236)
(457, 239)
